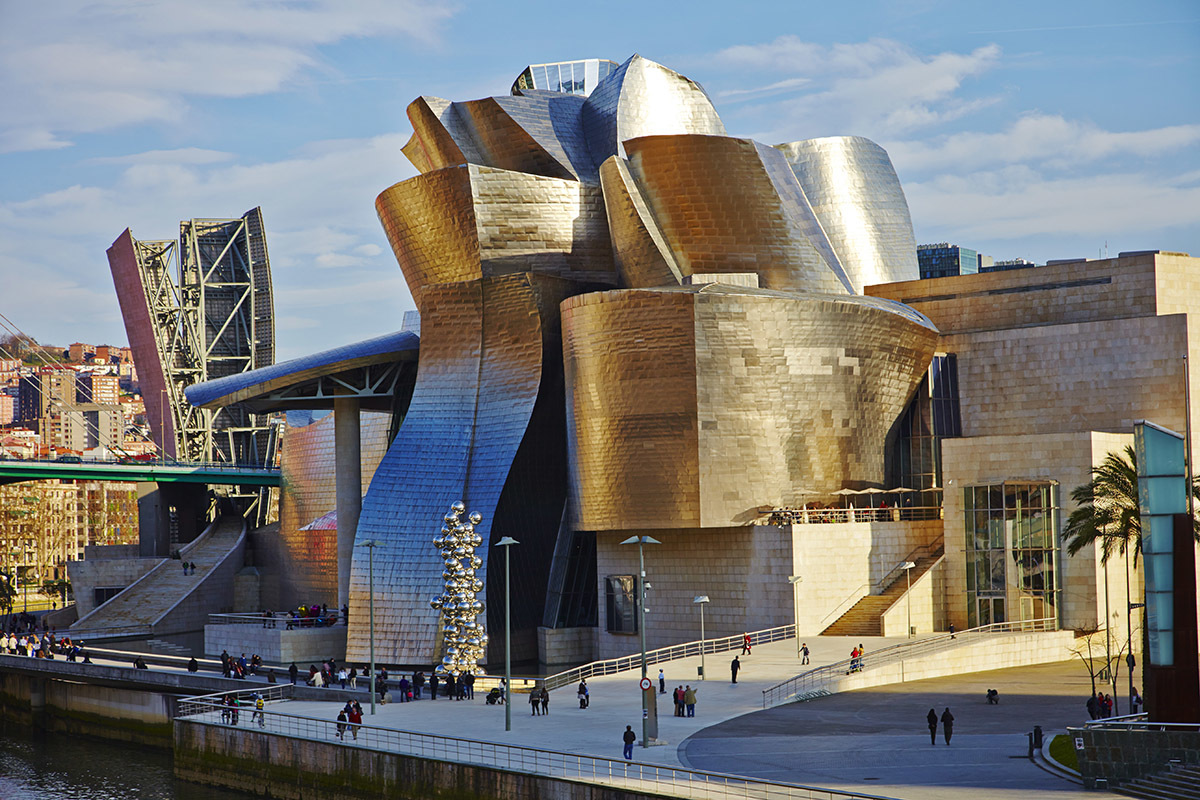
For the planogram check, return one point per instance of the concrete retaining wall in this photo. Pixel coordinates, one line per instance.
(297, 769)
(994, 652)
(277, 645)
(928, 599)
(1118, 756)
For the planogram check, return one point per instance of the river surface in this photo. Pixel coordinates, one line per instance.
(40, 765)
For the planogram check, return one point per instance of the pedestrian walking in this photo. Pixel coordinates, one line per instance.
(745, 645)
(689, 699)
(947, 725)
(1093, 707)
(1135, 701)
(662, 682)
(469, 683)
(734, 666)
(629, 737)
(292, 670)
(355, 717)
(433, 682)
(341, 724)
(932, 718)
(259, 705)
(535, 701)
(582, 692)
(545, 700)
(677, 696)
(804, 653)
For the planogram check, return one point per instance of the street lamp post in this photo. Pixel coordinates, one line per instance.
(907, 566)
(795, 581)
(700, 600)
(507, 542)
(641, 541)
(371, 544)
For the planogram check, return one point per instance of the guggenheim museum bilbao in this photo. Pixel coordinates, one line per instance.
(633, 324)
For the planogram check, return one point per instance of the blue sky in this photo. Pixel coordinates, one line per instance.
(1023, 129)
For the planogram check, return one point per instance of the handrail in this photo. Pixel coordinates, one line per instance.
(661, 779)
(1138, 722)
(815, 678)
(671, 653)
(279, 619)
(860, 591)
(817, 516)
(928, 549)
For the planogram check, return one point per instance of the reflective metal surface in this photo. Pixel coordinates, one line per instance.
(855, 193)
(690, 407)
(464, 641)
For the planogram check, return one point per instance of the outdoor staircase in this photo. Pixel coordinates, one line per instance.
(148, 599)
(1180, 783)
(864, 617)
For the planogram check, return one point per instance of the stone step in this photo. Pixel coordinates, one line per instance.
(864, 618)
(1166, 786)
(165, 585)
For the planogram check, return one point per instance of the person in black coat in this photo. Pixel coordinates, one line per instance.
(932, 718)
(734, 666)
(292, 671)
(947, 725)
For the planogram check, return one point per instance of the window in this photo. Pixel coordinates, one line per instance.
(621, 602)
(1011, 540)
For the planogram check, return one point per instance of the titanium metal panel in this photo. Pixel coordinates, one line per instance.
(481, 372)
(720, 211)
(642, 98)
(640, 252)
(674, 396)
(245, 386)
(857, 196)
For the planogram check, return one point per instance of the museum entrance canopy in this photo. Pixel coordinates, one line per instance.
(378, 372)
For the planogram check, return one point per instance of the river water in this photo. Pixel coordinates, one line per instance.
(40, 765)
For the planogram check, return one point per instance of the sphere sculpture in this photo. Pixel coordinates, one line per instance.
(463, 638)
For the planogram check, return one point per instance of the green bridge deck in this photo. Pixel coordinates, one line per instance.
(223, 475)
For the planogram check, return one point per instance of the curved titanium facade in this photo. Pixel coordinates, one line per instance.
(642, 98)
(730, 205)
(464, 223)
(304, 563)
(855, 193)
(677, 397)
(536, 205)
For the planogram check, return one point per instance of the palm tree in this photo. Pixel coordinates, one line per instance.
(1107, 509)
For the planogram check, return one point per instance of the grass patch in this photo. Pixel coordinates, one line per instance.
(1062, 750)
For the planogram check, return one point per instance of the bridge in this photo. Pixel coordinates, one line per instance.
(15, 471)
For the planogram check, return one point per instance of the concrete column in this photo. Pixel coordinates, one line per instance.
(347, 441)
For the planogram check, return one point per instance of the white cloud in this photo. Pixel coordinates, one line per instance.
(868, 88)
(1037, 138)
(1018, 202)
(78, 66)
(329, 257)
(182, 155)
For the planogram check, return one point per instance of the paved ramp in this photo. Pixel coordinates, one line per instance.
(164, 600)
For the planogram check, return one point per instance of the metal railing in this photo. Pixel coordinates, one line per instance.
(674, 781)
(1139, 722)
(814, 679)
(685, 650)
(278, 620)
(859, 592)
(816, 516)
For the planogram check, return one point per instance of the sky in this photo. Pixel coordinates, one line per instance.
(1036, 130)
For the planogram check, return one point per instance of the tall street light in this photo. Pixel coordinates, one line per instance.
(700, 600)
(371, 544)
(507, 542)
(907, 566)
(647, 694)
(795, 581)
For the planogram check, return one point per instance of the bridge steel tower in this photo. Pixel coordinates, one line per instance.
(197, 309)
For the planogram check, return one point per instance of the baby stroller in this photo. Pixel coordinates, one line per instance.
(493, 697)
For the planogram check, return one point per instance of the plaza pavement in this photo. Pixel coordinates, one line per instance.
(872, 740)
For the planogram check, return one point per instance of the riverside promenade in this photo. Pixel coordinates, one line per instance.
(867, 741)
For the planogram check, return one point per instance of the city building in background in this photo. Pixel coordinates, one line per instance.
(1007, 264)
(943, 259)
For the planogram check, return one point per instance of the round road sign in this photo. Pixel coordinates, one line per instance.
(645, 684)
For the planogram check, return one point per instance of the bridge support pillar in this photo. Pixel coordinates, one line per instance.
(156, 502)
(347, 437)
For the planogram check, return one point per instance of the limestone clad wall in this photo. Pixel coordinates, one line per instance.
(923, 606)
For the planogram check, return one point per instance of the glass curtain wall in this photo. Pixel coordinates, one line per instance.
(1012, 538)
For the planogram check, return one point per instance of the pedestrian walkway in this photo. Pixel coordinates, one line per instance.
(149, 599)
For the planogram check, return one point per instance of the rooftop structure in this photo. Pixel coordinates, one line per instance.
(569, 77)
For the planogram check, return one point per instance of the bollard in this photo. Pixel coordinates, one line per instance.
(1029, 737)
(1037, 736)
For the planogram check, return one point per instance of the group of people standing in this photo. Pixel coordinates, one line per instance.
(685, 700)
(1100, 705)
(947, 725)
